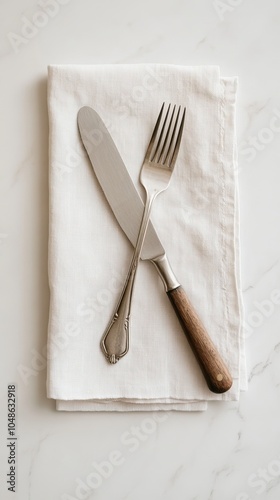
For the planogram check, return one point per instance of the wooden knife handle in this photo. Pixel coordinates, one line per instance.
(213, 367)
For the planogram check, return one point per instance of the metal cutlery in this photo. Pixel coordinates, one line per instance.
(127, 207)
(155, 176)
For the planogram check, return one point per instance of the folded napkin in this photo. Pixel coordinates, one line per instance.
(197, 222)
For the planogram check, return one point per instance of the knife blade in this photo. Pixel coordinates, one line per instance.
(128, 207)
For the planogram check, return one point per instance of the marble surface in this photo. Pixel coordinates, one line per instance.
(230, 451)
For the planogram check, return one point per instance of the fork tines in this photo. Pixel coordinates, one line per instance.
(166, 137)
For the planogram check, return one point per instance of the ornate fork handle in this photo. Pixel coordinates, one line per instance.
(115, 341)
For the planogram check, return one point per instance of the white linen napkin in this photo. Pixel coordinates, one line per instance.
(196, 219)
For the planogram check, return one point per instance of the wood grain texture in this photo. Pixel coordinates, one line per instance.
(213, 367)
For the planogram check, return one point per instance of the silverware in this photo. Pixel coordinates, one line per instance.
(155, 176)
(127, 207)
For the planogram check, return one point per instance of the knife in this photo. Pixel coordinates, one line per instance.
(128, 207)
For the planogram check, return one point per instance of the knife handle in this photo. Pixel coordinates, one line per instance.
(213, 367)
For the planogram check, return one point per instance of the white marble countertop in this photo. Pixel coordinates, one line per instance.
(230, 451)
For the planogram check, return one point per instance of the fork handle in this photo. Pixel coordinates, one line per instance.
(212, 365)
(115, 341)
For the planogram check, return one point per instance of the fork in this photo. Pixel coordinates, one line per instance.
(155, 177)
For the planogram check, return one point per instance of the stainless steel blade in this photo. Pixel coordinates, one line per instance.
(128, 209)
(116, 182)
